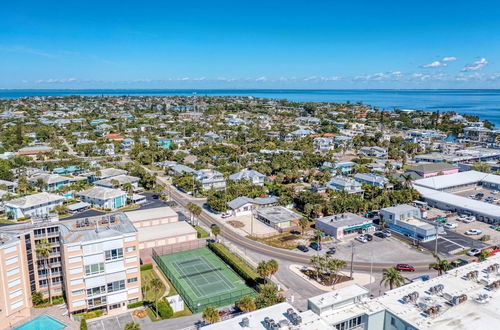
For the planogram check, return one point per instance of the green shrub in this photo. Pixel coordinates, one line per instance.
(83, 324)
(57, 300)
(201, 233)
(136, 304)
(146, 267)
(37, 298)
(91, 315)
(165, 310)
(238, 265)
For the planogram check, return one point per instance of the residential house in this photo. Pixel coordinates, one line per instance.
(105, 198)
(373, 151)
(37, 205)
(373, 180)
(256, 178)
(245, 205)
(426, 170)
(210, 179)
(342, 183)
(50, 182)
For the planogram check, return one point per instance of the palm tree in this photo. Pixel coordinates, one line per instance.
(246, 304)
(407, 183)
(483, 256)
(215, 231)
(334, 266)
(210, 314)
(273, 267)
(392, 277)
(43, 250)
(441, 265)
(23, 185)
(195, 211)
(263, 269)
(304, 223)
(156, 285)
(132, 326)
(129, 189)
(115, 183)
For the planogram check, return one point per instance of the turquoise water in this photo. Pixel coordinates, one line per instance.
(43, 322)
(484, 103)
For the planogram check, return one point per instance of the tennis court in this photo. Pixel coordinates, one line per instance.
(202, 278)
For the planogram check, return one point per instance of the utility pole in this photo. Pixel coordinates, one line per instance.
(251, 222)
(371, 272)
(352, 257)
(436, 241)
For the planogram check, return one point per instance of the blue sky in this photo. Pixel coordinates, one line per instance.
(250, 44)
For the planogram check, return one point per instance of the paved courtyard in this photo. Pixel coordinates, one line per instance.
(110, 323)
(259, 228)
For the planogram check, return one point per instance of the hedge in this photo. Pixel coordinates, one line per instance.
(83, 324)
(146, 267)
(165, 310)
(238, 265)
(135, 304)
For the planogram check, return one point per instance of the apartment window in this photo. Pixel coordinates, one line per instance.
(77, 292)
(393, 321)
(42, 283)
(131, 259)
(16, 304)
(116, 286)
(57, 280)
(94, 269)
(114, 254)
(131, 301)
(13, 271)
(73, 260)
(132, 280)
(12, 260)
(131, 248)
(52, 230)
(94, 302)
(14, 282)
(96, 291)
(15, 293)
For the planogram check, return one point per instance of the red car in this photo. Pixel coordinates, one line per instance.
(405, 268)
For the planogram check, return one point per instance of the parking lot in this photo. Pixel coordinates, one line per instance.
(487, 193)
(111, 323)
(484, 227)
(379, 250)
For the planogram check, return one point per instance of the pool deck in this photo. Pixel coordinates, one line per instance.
(56, 313)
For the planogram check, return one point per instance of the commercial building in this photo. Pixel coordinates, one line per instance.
(463, 298)
(36, 205)
(461, 181)
(426, 170)
(245, 205)
(279, 217)
(279, 316)
(406, 219)
(343, 224)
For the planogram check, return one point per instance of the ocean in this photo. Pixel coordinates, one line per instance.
(483, 103)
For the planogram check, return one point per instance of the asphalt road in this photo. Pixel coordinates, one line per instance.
(263, 249)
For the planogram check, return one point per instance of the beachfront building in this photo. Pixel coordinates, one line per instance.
(37, 205)
(104, 198)
(15, 297)
(343, 224)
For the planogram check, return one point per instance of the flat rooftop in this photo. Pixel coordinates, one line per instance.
(278, 214)
(165, 231)
(150, 214)
(442, 182)
(344, 220)
(342, 294)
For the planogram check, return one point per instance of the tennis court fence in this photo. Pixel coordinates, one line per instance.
(198, 305)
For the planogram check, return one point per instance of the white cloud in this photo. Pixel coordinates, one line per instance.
(435, 64)
(449, 59)
(56, 81)
(261, 79)
(476, 65)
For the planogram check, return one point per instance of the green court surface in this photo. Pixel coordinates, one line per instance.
(202, 278)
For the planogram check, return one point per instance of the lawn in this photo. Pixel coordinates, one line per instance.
(146, 277)
(283, 241)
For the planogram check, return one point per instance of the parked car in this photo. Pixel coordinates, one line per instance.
(380, 234)
(458, 263)
(387, 233)
(473, 252)
(303, 248)
(405, 268)
(315, 246)
(489, 199)
(473, 232)
(362, 239)
(450, 225)
(225, 215)
(331, 251)
(369, 237)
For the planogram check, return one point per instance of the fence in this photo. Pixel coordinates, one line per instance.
(197, 305)
(146, 254)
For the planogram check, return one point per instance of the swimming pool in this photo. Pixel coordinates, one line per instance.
(43, 322)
